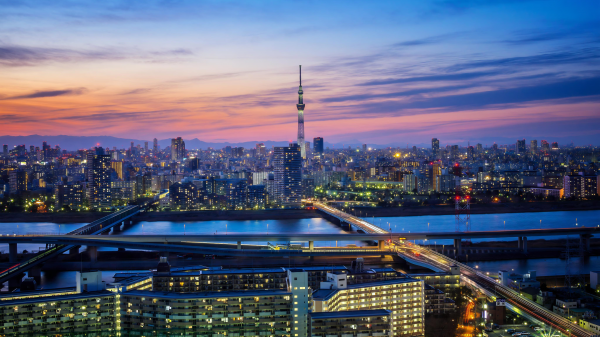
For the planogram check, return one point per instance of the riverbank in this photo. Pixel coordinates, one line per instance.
(495, 208)
(283, 214)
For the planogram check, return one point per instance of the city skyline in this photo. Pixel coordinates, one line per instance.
(384, 73)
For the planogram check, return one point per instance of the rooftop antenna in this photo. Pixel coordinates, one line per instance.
(300, 75)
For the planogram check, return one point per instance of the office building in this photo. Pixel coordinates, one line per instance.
(470, 152)
(98, 178)
(533, 146)
(287, 164)
(520, 147)
(69, 195)
(554, 146)
(479, 148)
(155, 147)
(177, 149)
(435, 148)
(318, 146)
(117, 166)
(5, 149)
(261, 149)
(257, 197)
(123, 190)
(300, 106)
(580, 186)
(18, 181)
(545, 146)
(184, 195)
(454, 153)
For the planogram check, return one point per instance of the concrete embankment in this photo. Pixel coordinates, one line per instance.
(282, 214)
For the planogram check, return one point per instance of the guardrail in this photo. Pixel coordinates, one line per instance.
(24, 266)
(511, 294)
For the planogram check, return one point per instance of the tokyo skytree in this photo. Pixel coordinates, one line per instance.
(300, 107)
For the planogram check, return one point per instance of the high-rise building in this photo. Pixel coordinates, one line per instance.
(155, 146)
(288, 175)
(554, 145)
(364, 147)
(177, 149)
(435, 147)
(520, 147)
(479, 148)
(318, 146)
(131, 147)
(118, 167)
(580, 186)
(18, 180)
(454, 152)
(70, 195)
(534, 146)
(5, 149)
(300, 107)
(98, 177)
(261, 149)
(545, 146)
(470, 152)
(145, 147)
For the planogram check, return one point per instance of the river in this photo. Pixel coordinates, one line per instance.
(440, 223)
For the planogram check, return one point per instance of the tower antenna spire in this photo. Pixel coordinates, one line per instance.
(300, 75)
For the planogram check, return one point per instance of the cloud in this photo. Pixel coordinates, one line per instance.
(51, 93)
(406, 93)
(431, 78)
(19, 56)
(557, 58)
(588, 89)
(112, 116)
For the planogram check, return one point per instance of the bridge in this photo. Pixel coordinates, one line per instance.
(490, 287)
(346, 219)
(426, 257)
(97, 227)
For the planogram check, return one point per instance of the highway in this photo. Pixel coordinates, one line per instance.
(345, 217)
(96, 227)
(490, 285)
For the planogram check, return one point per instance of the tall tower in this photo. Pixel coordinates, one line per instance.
(300, 107)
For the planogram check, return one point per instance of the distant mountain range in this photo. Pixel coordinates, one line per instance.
(72, 143)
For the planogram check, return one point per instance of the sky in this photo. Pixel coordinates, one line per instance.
(375, 72)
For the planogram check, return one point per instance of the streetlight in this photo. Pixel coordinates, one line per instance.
(267, 229)
(183, 229)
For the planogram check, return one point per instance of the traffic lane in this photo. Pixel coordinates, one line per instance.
(502, 331)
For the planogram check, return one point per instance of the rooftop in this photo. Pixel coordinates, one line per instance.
(173, 295)
(352, 313)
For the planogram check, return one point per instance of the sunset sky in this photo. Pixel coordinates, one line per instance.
(374, 72)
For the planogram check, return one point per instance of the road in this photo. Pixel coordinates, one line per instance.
(486, 283)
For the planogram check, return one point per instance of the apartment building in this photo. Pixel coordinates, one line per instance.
(404, 297)
(355, 323)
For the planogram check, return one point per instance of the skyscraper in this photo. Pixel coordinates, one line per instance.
(454, 152)
(98, 177)
(521, 148)
(534, 146)
(155, 146)
(435, 147)
(288, 174)
(300, 107)
(145, 147)
(318, 145)
(177, 149)
(5, 149)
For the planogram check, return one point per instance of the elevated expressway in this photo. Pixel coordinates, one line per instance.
(99, 226)
(487, 285)
(492, 288)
